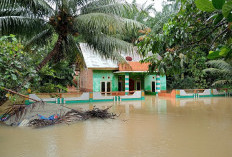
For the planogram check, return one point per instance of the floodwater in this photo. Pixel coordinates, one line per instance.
(151, 128)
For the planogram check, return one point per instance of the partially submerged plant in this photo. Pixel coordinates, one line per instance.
(18, 111)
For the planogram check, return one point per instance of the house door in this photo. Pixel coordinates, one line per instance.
(153, 86)
(106, 88)
(120, 86)
(138, 85)
(131, 85)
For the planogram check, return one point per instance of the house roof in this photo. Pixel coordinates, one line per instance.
(94, 60)
(134, 66)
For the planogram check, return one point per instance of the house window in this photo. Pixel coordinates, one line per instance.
(108, 88)
(105, 88)
(103, 77)
(108, 77)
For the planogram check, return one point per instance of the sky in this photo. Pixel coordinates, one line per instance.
(157, 3)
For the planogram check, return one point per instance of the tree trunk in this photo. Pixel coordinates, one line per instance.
(11, 91)
(43, 63)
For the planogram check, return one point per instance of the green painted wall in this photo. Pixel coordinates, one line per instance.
(147, 81)
(163, 82)
(98, 78)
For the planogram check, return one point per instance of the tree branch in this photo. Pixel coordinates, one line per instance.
(220, 24)
(218, 36)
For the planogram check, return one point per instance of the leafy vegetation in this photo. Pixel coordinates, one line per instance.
(95, 22)
(222, 70)
(54, 78)
(15, 64)
(187, 40)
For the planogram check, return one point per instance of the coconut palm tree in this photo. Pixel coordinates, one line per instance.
(96, 22)
(221, 69)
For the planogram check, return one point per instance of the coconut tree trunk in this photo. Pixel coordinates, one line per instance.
(43, 63)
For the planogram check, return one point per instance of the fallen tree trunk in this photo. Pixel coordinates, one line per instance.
(14, 92)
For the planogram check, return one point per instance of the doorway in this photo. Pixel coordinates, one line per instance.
(138, 85)
(131, 85)
(153, 86)
(120, 86)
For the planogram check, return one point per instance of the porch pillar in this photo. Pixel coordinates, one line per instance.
(126, 83)
(158, 85)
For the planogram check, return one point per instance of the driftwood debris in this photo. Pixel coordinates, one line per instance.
(98, 113)
(31, 116)
(73, 116)
(17, 111)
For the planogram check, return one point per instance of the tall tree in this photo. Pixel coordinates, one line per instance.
(187, 37)
(96, 22)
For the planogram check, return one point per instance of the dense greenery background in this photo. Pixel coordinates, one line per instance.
(195, 32)
(189, 41)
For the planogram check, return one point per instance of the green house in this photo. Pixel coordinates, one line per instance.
(107, 76)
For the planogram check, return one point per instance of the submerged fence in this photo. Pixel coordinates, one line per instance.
(196, 93)
(85, 97)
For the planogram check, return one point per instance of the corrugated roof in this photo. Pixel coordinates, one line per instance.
(134, 66)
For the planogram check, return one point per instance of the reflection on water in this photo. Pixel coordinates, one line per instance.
(151, 128)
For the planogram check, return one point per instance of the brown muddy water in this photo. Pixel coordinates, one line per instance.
(151, 128)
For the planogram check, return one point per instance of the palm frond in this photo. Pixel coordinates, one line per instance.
(214, 71)
(39, 7)
(95, 23)
(40, 39)
(108, 7)
(73, 52)
(222, 82)
(78, 2)
(220, 64)
(13, 12)
(133, 25)
(108, 46)
(220, 69)
(98, 22)
(21, 25)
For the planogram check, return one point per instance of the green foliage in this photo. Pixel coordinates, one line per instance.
(221, 52)
(218, 3)
(224, 6)
(15, 64)
(195, 68)
(222, 70)
(54, 78)
(99, 23)
(205, 5)
(226, 9)
(178, 83)
(180, 49)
